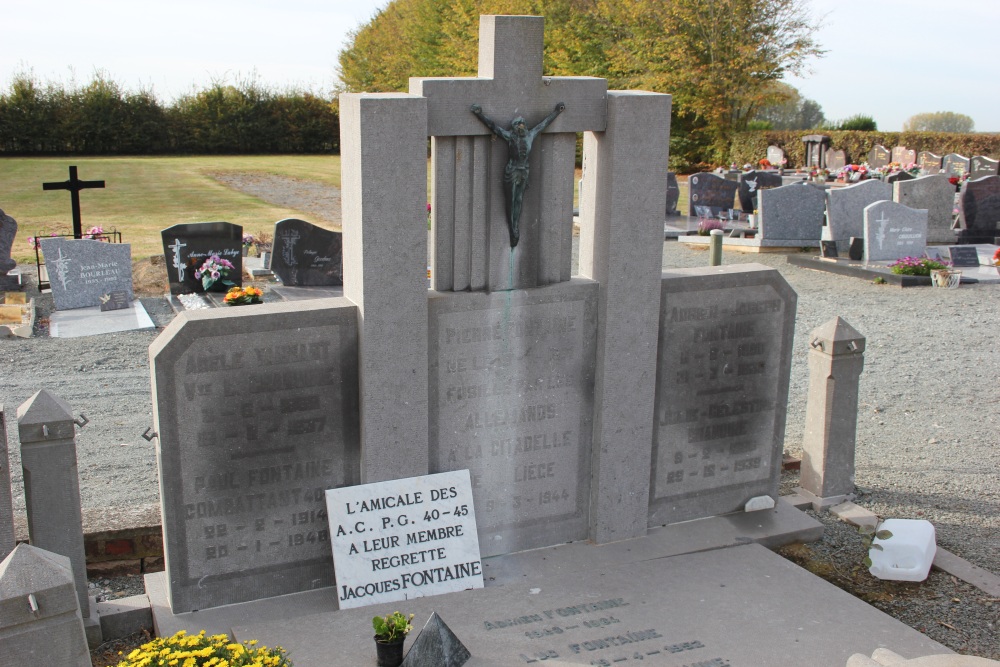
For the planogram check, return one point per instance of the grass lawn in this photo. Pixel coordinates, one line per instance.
(144, 195)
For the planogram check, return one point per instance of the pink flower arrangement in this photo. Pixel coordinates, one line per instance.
(215, 268)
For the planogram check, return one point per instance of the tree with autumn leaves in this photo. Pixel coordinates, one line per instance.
(719, 59)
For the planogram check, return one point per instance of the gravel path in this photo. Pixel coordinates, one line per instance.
(927, 425)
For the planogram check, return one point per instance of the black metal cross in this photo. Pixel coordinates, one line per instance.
(74, 185)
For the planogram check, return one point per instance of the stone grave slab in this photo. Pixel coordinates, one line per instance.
(954, 164)
(845, 209)
(81, 271)
(6, 500)
(257, 415)
(904, 156)
(93, 322)
(8, 230)
(673, 194)
(511, 399)
(893, 231)
(836, 160)
(929, 162)
(935, 194)
(751, 183)
(792, 213)
(723, 364)
(307, 255)
(404, 538)
(742, 606)
(979, 210)
(187, 246)
(982, 166)
(710, 195)
(879, 156)
(775, 155)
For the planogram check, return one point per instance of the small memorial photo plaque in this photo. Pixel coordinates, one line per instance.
(963, 256)
(404, 538)
(828, 249)
(116, 300)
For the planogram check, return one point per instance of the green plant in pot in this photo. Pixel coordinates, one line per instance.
(390, 633)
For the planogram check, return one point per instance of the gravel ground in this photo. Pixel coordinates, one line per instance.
(927, 424)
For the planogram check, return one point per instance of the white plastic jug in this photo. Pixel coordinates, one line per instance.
(908, 554)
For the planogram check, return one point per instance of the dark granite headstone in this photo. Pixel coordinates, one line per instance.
(909, 157)
(929, 162)
(979, 210)
(436, 646)
(673, 194)
(836, 159)
(307, 255)
(828, 249)
(899, 176)
(8, 230)
(752, 182)
(955, 165)
(878, 156)
(963, 256)
(775, 155)
(982, 166)
(723, 363)
(711, 195)
(187, 246)
(81, 271)
(857, 248)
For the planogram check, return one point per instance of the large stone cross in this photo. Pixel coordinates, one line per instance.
(471, 248)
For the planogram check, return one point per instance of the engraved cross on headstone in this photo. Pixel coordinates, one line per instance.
(471, 244)
(74, 185)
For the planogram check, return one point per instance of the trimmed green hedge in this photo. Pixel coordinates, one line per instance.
(752, 146)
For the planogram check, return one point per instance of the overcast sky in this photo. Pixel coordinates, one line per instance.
(887, 58)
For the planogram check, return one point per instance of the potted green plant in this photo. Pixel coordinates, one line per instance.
(390, 633)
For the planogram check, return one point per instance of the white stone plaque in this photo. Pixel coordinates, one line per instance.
(404, 538)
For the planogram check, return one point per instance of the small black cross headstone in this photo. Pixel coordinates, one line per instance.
(74, 185)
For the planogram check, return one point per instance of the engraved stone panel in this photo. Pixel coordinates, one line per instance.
(187, 246)
(511, 396)
(893, 231)
(305, 254)
(257, 415)
(724, 359)
(81, 271)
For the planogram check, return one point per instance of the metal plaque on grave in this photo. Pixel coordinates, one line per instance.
(307, 255)
(187, 246)
(511, 399)
(256, 412)
(724, 359)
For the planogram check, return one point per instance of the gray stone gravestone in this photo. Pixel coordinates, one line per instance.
(256, 411)
(878, 156)
(186, 247)
(899, 154)
(81, 271)
(307, 255)
(40, 621)
(776, 156)
(792, 212)
(6, 501)
(710, 195)
(723, 365)
(751, 183)
(982, 166)
(893, 231)
(935, 194)
(845, 209)
(929, 162)
(979, 210)
(836, 160)
(954, 164)
(8, 230)
(673, 194)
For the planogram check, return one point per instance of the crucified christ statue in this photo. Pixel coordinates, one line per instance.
(515, 176)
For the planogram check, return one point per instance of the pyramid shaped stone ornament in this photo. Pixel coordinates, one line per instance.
(837, 337)
(436, 646)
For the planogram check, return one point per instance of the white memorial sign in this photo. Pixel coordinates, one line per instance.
(403, 539)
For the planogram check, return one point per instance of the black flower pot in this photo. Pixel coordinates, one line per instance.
(389, 654)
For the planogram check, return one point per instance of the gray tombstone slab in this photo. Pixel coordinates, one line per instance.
(775, 155)
(8, 230)
(981, 165)
(836, 159)
(879, 156)
(979, 210)
(307, 255)
(793, 212)
(893, 231)
(710, 195)
(929, 162)
(6, 502)
(935, 194)
(187, 246)
(47, 628)
(81, 271)
(751, 183)
(724, 359)
(845, 208)
(257, 414)
(511, 399)
(673, 194)
(954, 164)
